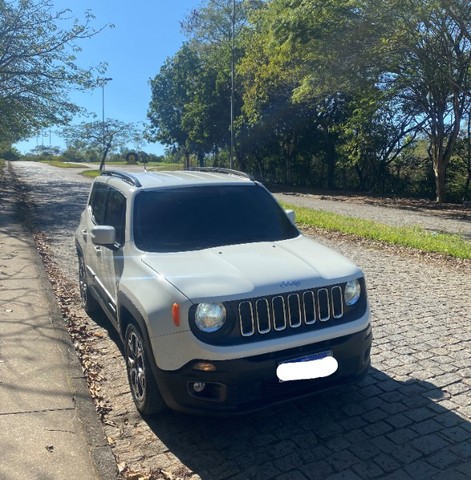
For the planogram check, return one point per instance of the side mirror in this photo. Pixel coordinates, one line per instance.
(103, 235)
(291, 214)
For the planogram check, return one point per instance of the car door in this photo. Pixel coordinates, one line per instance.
(110, 257)
(93, 215)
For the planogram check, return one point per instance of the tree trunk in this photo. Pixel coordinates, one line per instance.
(187, 159)
(466, 186)
(200, 159)
(103, 158)
(440, 183)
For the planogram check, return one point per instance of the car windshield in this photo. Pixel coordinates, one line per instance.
(192, 218)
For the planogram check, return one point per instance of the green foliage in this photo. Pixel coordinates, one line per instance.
(98, 139)
(332, 94)
(190, 106)
(38, 66)
(91, 173)
(10, 153)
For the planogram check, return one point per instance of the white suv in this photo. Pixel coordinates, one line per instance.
(222, 304)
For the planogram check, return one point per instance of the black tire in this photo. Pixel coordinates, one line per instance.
(144, 389)
(89, 303)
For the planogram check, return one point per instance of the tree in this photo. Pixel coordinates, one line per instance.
(432, 74)
(102, 138)
(212, 23)
(273, 70)
(38, 67)
(191, 96)
(463, 152)
(415, 54)
(408, 56)
(172, 90)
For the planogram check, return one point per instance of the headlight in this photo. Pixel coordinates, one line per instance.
(210, 317)
(352, 292)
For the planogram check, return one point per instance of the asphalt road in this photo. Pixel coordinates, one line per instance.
(410, 419)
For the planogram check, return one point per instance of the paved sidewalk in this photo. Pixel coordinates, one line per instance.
(48, 423)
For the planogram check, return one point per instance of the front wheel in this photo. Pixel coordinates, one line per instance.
(144, 389)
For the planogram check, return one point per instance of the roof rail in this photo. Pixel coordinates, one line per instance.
(126, 177)
(228, 171)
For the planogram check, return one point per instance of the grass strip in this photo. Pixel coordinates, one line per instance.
(91, 173)
(60, 164)
(412, 237)
(151, 167)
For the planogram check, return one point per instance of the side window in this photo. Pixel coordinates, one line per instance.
(98, 202)
(115, 214)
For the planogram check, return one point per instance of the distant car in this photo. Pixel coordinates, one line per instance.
(222, 304)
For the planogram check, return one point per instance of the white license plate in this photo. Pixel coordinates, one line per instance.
(320, 365)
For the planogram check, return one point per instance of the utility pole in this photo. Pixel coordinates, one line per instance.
(231, 159)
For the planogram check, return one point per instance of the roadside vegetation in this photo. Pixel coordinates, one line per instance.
(359, 95)
(410, 237)
(151, 167)
(61, 164)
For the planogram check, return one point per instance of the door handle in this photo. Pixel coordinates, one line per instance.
(84, 234)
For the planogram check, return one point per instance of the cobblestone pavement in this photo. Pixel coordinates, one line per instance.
(410, 419)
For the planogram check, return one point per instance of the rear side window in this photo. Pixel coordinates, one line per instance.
(108, 207)
(98, 202)
(115, 213)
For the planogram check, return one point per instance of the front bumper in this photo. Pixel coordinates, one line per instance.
(251, 383)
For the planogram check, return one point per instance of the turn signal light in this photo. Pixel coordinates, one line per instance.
(176, 314)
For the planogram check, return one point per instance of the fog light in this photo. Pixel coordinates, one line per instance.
(198, 387)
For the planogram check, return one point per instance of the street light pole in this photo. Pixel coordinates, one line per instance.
(231, 159)
(103, 82)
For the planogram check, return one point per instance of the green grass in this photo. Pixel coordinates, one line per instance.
(92, 173)
(151, 167)
(411, 237)
(60, 164)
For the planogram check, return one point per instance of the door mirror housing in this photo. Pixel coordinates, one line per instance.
(103, 235)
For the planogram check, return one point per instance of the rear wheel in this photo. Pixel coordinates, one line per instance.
(144, 389)
(89, 303)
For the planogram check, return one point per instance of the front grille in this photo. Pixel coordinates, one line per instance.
(282, 314)
(290, 311)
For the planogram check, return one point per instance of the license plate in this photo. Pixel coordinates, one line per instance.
(320, 365)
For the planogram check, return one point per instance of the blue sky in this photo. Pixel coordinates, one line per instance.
(146, 33)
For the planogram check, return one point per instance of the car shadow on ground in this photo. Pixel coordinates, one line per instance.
(381, 426)
(405, 428)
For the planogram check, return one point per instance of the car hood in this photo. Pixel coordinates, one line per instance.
(254, 269)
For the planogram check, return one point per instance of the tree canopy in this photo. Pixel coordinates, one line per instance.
(328, 93)
(102, 138)
(38, 66)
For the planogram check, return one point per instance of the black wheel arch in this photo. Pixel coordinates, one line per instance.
(78, 248)
(128, 313)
